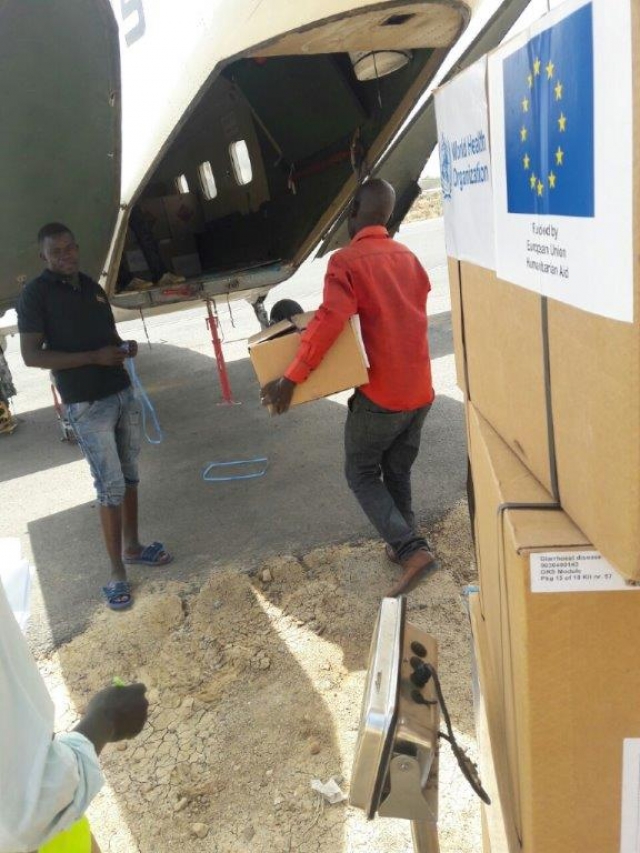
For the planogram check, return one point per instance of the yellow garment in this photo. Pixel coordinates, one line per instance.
(76, 839)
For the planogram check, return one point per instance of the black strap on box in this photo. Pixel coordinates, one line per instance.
(551, 437)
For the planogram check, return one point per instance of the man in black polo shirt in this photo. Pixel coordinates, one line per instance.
(66, 325)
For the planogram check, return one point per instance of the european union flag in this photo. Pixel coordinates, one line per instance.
(548, 110)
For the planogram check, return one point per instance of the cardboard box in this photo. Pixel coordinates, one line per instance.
(581, 416)
(486, 839)
(499, 833)
(457, 323)
(343, 367)
(595, 391)
(136, 261)
(155, 215)
(562, 663)
(181, 256)
(187, 265)
(504, 363)
(184, 215)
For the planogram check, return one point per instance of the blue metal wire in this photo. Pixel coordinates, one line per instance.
(147, 405)
(259, 460)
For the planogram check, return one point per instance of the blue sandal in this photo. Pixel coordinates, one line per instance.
(118, 595)
(151, 555)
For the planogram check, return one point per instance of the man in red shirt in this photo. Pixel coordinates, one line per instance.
(385, 284)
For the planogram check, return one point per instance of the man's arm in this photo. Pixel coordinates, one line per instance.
(46, 783)
(33, 355)
(132, 350)
(338, 304)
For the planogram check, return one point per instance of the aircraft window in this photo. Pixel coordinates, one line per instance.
(397, 20)
(207, 180)
(182, 184)
(241, 162)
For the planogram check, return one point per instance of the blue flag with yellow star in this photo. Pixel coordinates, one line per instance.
(548, 109)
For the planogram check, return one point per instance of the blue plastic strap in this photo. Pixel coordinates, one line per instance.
(147, 405)
(259, 460)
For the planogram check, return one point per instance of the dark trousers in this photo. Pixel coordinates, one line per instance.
(380, 448)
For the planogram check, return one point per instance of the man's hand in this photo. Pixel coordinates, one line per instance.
(115, 713)
(133, 348)
(111, 356)
(278, 394)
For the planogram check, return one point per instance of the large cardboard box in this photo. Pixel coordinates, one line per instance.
(499, 833)
(181, 256)
(595, 399)
(564, 394)
(503, 361)
(155, 215)
(457, 326)
(343, 367)
(562, 386)
(184, 215)
(562, 633)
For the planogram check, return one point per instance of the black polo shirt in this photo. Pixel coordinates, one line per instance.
(73, 319)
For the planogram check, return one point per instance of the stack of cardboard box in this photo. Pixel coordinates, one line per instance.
(174, 222)
(553, 422)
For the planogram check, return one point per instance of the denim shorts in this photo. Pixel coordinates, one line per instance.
(109, 434)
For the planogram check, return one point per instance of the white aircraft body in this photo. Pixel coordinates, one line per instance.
(214, 140)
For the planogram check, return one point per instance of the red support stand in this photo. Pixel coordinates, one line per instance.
(213, 323)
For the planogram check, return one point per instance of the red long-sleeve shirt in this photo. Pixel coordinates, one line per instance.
(385, 284)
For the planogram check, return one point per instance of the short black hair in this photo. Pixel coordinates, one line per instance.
(285, 309)
(53, 229)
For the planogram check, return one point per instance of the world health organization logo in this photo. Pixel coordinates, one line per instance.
(446, 176)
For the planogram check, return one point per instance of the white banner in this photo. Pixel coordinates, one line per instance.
(465, 166)
(630, 829)
(561, 131)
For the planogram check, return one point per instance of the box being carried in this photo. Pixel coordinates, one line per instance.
(343, 367)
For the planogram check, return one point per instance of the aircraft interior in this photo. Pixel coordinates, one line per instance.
(260, 160)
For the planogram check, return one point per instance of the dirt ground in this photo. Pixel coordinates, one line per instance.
(426, 206)
(255, 685)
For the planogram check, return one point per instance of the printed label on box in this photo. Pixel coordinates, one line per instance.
(630, 826)
(576, 571)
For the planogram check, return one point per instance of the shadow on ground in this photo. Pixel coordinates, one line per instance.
(301, 502)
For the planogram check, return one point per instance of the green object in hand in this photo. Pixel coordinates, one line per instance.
(118, 682)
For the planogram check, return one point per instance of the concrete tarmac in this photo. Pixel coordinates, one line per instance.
(302, 502)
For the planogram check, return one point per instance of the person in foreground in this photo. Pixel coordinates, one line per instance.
(47, 781)
(385, 284)
(66, 325)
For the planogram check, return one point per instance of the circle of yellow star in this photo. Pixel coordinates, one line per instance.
(550, 68)
(552, 181)
(540, 188)
(559, 157)
(536, 67)
(526, 161)
(525, 105)
(558, 91)
(562, 122)
(530, 80)
(523, 134)
(533, 180)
